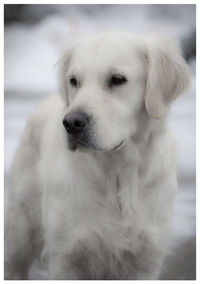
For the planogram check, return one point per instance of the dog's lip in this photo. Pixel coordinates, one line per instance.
(74, 145)
(118, 146)
(78, 144)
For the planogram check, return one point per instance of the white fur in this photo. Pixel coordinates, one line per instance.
(99, 214)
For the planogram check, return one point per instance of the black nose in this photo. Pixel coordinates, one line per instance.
(76, 122)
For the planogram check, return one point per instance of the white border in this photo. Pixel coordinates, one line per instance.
(2, 141)
(98, 2)
(197, 148)
(2, 119)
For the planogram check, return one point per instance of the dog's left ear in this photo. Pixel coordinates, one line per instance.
(63, 65)
(167, 74)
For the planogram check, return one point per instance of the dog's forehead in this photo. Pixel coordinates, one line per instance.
(107, 49)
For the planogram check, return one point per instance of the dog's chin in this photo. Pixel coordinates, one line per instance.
(84, 145)
(81, 147)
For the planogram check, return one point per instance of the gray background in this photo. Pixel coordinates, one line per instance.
(34, 38)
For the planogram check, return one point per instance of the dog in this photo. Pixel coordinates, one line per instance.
(93, 180)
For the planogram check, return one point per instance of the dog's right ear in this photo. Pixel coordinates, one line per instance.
(63, 65)
(168, 74)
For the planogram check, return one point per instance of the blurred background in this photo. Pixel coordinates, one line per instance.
(33, 39)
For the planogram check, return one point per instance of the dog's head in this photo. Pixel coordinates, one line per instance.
(109, 79)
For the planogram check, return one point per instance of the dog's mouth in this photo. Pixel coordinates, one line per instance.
(87, 145)
(79, 145)
(81, 142)
(118, 146)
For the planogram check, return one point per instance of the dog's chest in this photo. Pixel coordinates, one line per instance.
(98, 222)
(95, 260)
(106, 230)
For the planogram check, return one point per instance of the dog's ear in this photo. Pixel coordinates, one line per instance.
(63, 65)
(167, 74)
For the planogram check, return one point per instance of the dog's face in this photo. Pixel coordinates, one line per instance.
(105, 83)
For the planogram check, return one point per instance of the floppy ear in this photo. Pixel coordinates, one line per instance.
(167, 74)
(63, 65)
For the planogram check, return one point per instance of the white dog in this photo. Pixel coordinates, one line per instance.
(93, 180)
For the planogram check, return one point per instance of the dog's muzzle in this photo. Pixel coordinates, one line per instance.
(77, 126)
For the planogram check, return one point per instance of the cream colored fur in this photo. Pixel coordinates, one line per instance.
(99, 213)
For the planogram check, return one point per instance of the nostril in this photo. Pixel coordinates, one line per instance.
(65, 123)
(79, 123)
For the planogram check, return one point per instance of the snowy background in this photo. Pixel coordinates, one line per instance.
(34, 37)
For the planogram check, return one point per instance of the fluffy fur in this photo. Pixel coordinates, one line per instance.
(102, 211)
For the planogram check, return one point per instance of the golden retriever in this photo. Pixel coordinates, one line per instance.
(94, 177)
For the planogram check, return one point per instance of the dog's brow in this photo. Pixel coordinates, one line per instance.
(114, 70)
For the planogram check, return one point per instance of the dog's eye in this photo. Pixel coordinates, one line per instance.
(117, 80)
(73, 81)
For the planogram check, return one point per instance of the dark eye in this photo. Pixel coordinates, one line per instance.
(117, 80)
(73, 81)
